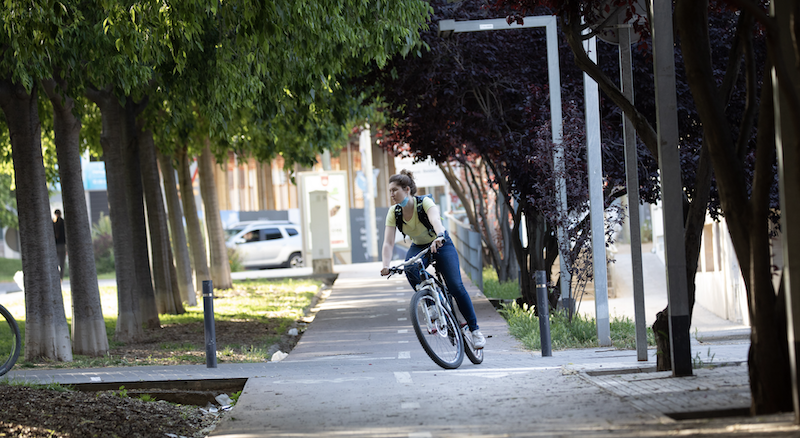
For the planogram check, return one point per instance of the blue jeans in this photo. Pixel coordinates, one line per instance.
(447, 263)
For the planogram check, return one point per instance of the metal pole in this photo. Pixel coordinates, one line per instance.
(208, 319)
(671, 185)
(788, 153)
(544, 312)
(559, 168)
(632, 181)
(596, 201)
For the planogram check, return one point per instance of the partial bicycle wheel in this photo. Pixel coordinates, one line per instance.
(10, 341)
(437, 330)
(475, 355)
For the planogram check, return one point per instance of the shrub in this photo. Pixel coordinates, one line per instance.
(103, 245)
(235, 260)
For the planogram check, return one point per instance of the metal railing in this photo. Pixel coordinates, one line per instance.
(470, 249)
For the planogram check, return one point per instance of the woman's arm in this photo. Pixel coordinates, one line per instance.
(388, 248)
(436, 222)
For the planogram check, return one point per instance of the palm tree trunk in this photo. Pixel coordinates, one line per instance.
(180, 248)
(167, 300)
(88, 326)
(197, 246)
(47, 332)
(220, 267)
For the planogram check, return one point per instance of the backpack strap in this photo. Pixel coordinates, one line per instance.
(421, 215)
(398, 219)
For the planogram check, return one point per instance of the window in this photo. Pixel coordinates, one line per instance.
(291, 231)
(272, 233)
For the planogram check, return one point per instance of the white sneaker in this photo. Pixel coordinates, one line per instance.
(478, 340)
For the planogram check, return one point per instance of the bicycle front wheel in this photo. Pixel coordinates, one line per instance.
(10, 341)
(437, 330)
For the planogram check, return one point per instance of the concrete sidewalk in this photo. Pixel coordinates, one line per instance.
(352, 338)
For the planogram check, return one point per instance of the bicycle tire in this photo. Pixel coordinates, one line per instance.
(10, 351)
(443, 343)
(474, 356)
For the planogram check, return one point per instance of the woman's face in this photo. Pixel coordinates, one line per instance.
(398, 193)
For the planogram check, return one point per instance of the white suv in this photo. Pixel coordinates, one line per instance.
(264, 244)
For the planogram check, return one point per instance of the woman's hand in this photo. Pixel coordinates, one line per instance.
(436, 244)
(385, 272)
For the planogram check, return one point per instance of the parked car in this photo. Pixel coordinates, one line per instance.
(266, 244)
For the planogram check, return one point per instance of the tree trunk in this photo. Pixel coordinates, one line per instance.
(220, 267)
(180, 248)
(88, 326)
(116, 134)
(197, 247)
(46, 329)
(746, 216)
(135, 198)
(167, 300)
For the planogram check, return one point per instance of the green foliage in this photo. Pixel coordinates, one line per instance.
(103, 245)
(581, 332)
(235, 396)
(122, 392)
(235, 260)
(53, 386)
(492, 287)
(9, 267)
(147, 398)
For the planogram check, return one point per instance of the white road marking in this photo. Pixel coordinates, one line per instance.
(403, 377)
(409, 405)
(317, 381)
(401, 301)
(420, 435)
(402, 342)
(402, 319)
(96, 379)
(401, 310)
(404, 355)
(399, 287)
(402, 331)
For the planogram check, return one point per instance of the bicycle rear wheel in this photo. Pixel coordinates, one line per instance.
(475, 356)
(10, 341)
(441, 337)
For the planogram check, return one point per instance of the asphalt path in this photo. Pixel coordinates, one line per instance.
(360, 371)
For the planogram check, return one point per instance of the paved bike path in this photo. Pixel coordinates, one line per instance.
(359, 371)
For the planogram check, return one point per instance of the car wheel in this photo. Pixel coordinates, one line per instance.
(295, 260)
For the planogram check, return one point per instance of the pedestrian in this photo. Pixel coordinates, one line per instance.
(61, 242)
(417, 217)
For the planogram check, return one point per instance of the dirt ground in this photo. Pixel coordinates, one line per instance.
(40, 412)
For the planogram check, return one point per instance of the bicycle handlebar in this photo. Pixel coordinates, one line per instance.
(399, 269)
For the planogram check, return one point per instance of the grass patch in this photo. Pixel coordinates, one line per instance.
(493, 289)
(580, 333)
(9, 267)
(249, 319)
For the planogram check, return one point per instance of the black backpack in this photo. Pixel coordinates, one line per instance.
(423, 217)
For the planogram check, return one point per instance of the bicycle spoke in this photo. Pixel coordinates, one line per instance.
(437, 331)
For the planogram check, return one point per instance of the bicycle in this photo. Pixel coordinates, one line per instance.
(10, 341)
(444, 337)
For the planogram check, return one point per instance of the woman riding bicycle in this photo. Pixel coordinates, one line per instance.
(402, 191)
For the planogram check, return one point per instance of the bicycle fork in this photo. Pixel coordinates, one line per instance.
(434, 315)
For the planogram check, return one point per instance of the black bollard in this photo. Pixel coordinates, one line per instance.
(208, 318)
(544, 312)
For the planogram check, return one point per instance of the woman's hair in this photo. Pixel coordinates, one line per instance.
(404, 179)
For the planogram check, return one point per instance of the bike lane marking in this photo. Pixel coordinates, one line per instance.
(403, 377)
(404, 355)
(420, 435)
